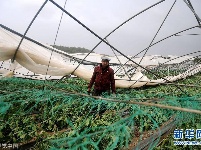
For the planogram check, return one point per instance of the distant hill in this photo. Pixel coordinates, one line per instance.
(71, 49)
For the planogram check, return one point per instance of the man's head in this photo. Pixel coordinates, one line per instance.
(105, 61)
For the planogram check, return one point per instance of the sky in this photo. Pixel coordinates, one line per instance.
(103, 16)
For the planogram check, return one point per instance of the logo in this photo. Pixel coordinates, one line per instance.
(188, 135)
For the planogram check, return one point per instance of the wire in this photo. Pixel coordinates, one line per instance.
(159, 42)
(55, 38)
(158, 31)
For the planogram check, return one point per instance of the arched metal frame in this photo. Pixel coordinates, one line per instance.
(105, 38)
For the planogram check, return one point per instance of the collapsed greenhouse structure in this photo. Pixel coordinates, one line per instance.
(44, 103)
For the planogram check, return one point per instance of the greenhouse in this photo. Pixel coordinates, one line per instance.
(44, 103)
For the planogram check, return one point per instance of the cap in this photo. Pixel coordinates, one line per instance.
(105, 58)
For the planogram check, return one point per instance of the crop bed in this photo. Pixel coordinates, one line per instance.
(50, 115)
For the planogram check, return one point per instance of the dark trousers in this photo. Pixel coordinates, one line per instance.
(100, 92)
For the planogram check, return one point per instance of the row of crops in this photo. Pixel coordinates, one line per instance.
(50, 115)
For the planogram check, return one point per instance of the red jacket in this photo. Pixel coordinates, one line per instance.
(103, 78)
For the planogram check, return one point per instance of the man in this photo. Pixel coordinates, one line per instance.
(103, 76)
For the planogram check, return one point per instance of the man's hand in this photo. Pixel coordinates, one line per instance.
(88, 91)
(113, 95)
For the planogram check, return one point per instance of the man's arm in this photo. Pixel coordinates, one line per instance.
(92, 80)
(113, 82)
